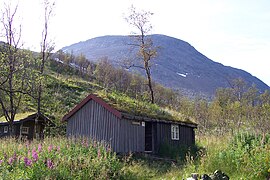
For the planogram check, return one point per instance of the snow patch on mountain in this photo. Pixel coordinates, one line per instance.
(183, 75)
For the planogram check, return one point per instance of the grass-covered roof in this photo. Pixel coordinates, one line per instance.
(18, 116)
(131, 106)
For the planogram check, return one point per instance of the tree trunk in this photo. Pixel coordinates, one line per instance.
(148, 72)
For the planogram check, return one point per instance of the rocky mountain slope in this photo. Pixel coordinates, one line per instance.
(178, 64)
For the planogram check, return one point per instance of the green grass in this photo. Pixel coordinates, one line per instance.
(240, 157)
(132, 106)
(63, 91)
(18, 116)
(57, 158)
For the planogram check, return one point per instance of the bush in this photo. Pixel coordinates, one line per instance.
(179, 153)
(241, 157)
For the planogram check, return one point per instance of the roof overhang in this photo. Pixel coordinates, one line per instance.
(147, 119)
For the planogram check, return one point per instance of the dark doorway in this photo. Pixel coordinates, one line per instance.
(148, 136)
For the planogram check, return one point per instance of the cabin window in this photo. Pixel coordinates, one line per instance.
(175, 132)
(25, 130)
(5, 129)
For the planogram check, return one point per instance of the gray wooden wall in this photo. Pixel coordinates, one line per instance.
(163, 135)
(96, 122)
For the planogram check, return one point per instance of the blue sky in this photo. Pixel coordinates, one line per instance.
(233, 32)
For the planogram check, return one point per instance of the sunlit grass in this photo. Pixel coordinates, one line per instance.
(240, 157)
(133, 106)
(18, 116)
(57, 158)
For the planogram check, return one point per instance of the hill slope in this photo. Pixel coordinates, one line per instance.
(178, 64)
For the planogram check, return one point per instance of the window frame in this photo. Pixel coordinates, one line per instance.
(175, 132)
(5, 129)
(25, 128)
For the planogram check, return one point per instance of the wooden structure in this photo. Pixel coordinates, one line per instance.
(24, 128)
(125, 133)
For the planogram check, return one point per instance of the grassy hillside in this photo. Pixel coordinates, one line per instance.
(65, 87)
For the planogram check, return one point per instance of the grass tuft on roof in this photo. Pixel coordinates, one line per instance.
(135, 107)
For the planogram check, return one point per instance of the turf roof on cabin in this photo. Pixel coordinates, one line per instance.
(126, 104)
(18, 116)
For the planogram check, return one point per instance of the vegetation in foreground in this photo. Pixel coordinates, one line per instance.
(240, 157)
(57, 158)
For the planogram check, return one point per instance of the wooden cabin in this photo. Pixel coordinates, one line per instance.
(125, 132)
(24, 127)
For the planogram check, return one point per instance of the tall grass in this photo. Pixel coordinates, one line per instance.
(57, 158)
(242, 156)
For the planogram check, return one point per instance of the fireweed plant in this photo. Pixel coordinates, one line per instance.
(57, 158)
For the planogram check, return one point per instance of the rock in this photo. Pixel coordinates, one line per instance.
(219, 175)
(194, 176)
(206, 177)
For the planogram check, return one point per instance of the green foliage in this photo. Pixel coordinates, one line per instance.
(242, 156)
(57, 158)
(132, 106)
(179, 153)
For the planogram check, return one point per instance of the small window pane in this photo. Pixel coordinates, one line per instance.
(175, 132)
(5, 129)
(25, 130)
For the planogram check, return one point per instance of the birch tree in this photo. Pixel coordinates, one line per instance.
(140, 20)
(13, 63)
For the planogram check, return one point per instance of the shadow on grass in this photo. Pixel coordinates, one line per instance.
(159, 166)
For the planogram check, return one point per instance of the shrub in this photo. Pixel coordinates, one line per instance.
(179, 153)
(241, 157)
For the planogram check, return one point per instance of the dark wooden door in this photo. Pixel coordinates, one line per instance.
(148, 136)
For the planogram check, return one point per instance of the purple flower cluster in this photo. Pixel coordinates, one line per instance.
(34, 155)
(39, 148)
(27, 162)
(50, 164)
(31, 157)
(12, 158)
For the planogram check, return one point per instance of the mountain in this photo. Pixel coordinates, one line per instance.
(178, 65)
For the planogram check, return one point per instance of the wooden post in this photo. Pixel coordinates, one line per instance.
(21, 130)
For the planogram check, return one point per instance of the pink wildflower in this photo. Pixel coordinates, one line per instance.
(14, 156)
(98, 153)
(39, 147)
(10, 160)
(1, 161)
(58, 148)
(34, 155)
(50, 148)
(50, 164)
(27, 162)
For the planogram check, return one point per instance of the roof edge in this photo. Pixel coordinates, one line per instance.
(87, 99)
(134, 117)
